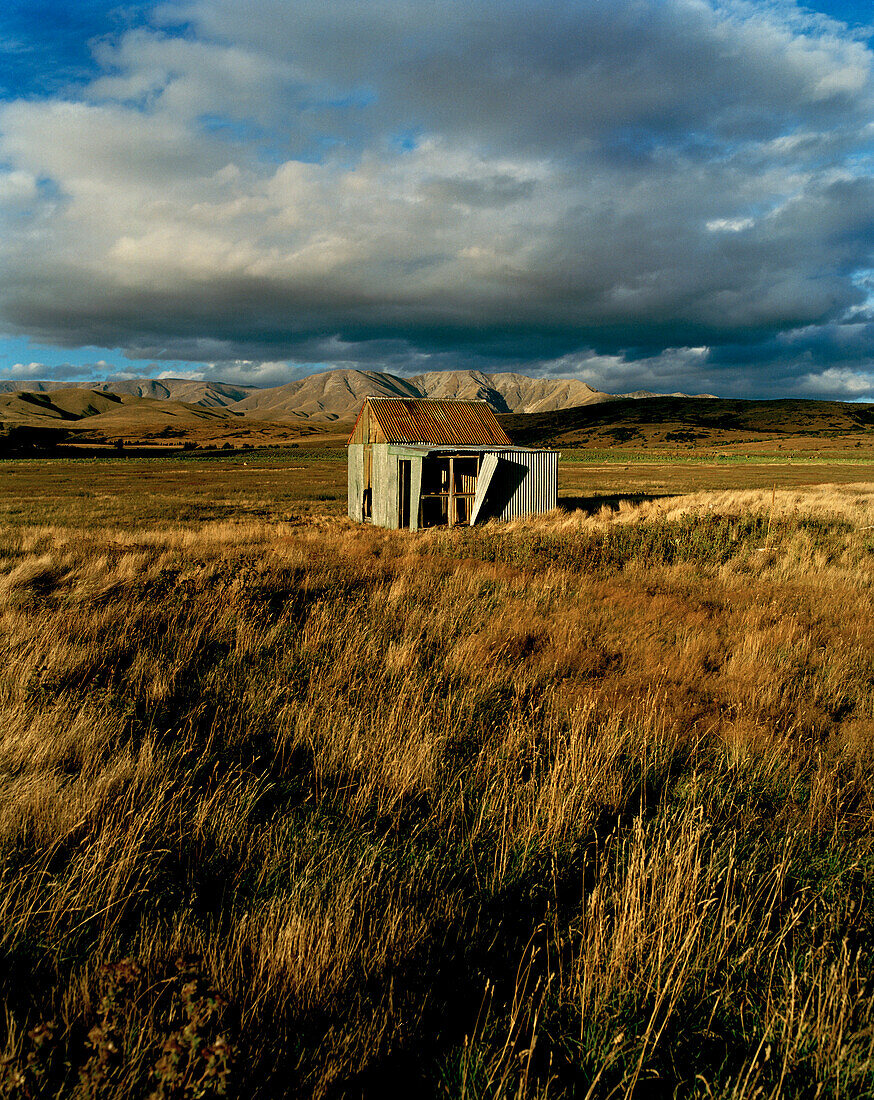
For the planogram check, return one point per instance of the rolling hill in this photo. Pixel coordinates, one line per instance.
(61, 405)
(660, 421)
(191, 391)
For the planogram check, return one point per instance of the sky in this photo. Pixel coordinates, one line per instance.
(642, 194)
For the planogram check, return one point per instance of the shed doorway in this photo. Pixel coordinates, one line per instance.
(448, 489)
(404, 479)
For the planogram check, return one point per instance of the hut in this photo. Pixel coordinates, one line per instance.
(421, 463)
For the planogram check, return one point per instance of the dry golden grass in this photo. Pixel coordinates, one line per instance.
(575, 806)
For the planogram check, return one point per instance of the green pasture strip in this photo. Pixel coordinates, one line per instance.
(658, 458)
(239, 457)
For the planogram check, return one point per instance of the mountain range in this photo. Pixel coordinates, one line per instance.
(321, 398)
(318, 411)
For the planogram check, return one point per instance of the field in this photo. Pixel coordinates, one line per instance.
(577, 806)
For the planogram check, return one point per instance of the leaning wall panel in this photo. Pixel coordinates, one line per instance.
(355, 481)
(385, 487)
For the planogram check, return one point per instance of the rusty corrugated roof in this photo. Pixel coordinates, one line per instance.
(410, 420)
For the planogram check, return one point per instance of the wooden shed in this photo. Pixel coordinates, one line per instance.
(421, 463)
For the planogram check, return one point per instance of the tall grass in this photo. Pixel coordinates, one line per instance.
(576, 806)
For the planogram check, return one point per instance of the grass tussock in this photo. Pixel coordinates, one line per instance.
(578, 806)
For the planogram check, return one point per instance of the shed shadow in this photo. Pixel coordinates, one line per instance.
(592, 504)
(508, 477)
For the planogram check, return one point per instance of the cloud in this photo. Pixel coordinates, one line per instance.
(57, 372)
(17, 188)
(393, 184)
(730, 225)
(851, 384)
(554, 75)
(28, 370)
(247, 372)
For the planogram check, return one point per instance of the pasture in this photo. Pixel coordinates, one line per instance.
(577, 806)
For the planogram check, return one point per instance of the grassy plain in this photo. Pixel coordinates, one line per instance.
(578, 806)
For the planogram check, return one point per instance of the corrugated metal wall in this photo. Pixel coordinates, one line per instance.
(538, 491)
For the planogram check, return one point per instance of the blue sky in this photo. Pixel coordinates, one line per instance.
(659, 194)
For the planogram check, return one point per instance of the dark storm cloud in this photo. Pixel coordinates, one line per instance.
(551, 76)
(598, 187)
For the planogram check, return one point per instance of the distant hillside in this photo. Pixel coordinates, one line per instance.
(191, 391)
(60, 405)
(99, 412)
(683, 420)
(208, 394)
(332, 395)
(337, 395)
(91, 416)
